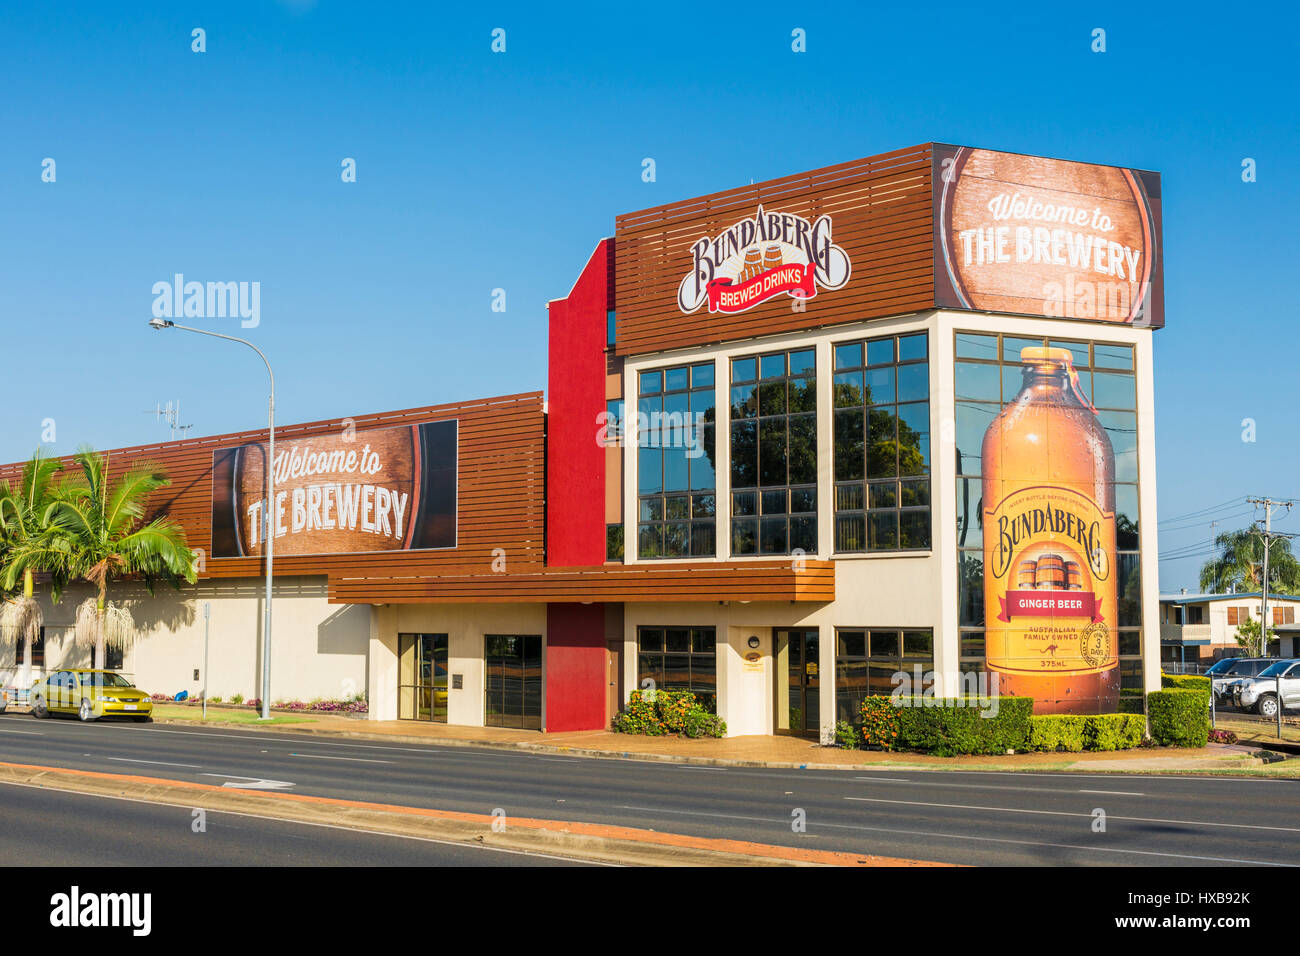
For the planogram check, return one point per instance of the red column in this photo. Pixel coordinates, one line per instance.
(575, 667)
(575, 462)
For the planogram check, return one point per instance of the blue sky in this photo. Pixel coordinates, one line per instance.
(478, 171)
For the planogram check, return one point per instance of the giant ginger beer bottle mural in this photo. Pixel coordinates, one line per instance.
(1049, 544)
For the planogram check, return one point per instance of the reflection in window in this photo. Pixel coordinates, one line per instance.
(868, 661)
(675, 453)
(774, 453)
(882, 444)
(680, 658)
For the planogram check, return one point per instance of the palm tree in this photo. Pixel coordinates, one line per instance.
(1239, 562)
(104, 538)
(27, 535)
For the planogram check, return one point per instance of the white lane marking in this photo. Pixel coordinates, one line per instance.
(326, 826)
(259, 783)
(432, 750)
(1070, 813)
(885, 779)
(961, 836)
(353, 759)
(160, 763)
(1118, 793)
(30, 733)
(992, 786)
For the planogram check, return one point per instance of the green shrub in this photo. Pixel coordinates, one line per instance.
(880, 722)
(1054, 732)
(1113, 731)
(237, 699)
(1185, 682)
(671, 707)
(639, 717)
(1180, 717)
(846, 736)
(950, 726)
(214, 700)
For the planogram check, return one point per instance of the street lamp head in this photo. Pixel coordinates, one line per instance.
(156, 323)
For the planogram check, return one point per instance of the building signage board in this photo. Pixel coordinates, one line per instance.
(762, 257)
(1047, 237)
(382, 489)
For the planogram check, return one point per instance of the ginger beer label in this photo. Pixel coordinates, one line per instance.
(1049, 554)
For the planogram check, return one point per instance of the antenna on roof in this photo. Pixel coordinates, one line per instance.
(171, 413)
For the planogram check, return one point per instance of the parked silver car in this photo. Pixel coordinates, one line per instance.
(1260, 694)
(1231, 671)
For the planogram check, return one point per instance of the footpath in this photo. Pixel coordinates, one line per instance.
(758, 751)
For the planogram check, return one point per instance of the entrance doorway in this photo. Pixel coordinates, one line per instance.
(422, 671)
(798, 681)
(512, 665)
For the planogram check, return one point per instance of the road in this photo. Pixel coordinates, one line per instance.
(980, 818)
(56, 828)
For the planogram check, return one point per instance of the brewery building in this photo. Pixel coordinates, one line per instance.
(802, 439)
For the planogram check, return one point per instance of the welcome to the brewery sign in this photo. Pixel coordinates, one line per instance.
(760, 258)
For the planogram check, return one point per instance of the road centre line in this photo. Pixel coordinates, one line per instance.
(160, 763)
(994, 786)
(353, 759)
(1116, 793)
(961, 836)
(29, 733)
(1073, 813)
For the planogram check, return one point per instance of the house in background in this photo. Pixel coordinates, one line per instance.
(1202, 628)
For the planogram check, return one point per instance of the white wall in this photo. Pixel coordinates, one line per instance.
(318, 649)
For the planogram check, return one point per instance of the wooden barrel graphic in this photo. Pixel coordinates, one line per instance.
(771, 257)
(1073, 579)
(337, 493)
(1026, 234)
(1050, 573)
(1026, 575)
(753, 264)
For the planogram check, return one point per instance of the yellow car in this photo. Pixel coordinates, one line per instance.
(89, 694)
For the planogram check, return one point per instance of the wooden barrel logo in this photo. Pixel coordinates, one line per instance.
(1037, 236)
(1049, 573)
(1026, 575)
(1073, 577)
(335, 494)
(772, 257)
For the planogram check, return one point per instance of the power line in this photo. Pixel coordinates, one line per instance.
(1231, 502)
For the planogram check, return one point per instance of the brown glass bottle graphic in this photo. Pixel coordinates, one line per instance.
(1049, 544)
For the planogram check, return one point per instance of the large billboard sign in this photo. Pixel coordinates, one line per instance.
(382, 489)
(1047, 237)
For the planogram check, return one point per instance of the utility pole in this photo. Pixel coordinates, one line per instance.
(1213, 585)
(1267, 536)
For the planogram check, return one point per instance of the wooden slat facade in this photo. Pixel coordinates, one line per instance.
(883, 212)
(706, 581)
(501, 497)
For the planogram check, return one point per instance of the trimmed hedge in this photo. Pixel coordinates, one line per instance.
(1185, 682)
(1180, 717)
(1078, 732)
(948, 726)
(1056, 732)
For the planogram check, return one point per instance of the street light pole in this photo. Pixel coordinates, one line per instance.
(268, 508)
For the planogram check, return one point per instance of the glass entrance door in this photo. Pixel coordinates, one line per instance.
(513, 677)
(422, 673)
(798, 681)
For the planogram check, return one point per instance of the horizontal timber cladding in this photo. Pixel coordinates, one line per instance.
(882, 213)
(813, 581)
(500, 495)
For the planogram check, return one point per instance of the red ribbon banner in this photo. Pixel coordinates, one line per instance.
(798, 280)
(1050, 604)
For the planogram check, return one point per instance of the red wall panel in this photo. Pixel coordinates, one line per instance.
(575, 462)
(575, 667)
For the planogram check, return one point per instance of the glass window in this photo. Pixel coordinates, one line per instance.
(774, 453)
(872, 661)
(882, 445)
(680, 658)
(675, 462)
(988, 374)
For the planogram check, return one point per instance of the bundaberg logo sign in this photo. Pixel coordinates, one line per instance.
(760, 258)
